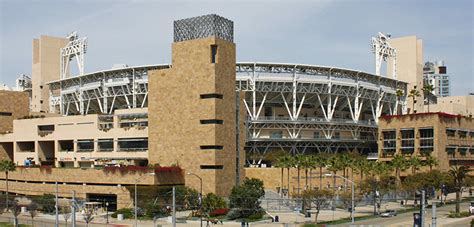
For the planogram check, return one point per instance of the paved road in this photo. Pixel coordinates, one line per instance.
(406, 219)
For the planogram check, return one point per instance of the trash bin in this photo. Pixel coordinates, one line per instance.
(416, 220)
(402, 202)
(23, 210)
(120, 217)
(277, 219)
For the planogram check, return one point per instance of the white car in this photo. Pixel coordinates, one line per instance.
(388, 213)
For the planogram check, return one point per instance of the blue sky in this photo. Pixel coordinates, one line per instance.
(331, 33)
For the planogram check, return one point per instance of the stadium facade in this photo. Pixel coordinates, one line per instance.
(203, 112)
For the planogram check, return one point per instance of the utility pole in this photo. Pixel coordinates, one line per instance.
(56, 221)
(174, 206)
(422, 208)
(73, 210)
(433, 214)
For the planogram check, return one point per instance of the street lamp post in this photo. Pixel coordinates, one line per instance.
(352, 189)
(200, 196)
(107, 213)
(136, 197)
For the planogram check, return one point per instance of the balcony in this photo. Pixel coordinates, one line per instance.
(311, 120)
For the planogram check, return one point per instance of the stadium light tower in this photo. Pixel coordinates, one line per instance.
(76, 47)
(383, 51)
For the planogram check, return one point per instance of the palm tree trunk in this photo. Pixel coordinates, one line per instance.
(298, 172)
(6, 187)
(288, 181)
(306, 176)
(281, 184)
(320, 178)
(458, 198)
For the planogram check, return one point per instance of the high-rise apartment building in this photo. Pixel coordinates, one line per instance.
(435, 74)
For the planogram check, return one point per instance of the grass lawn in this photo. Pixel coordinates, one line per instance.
(5, 224)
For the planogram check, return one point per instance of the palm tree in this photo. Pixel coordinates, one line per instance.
(399, 94)
(415, 164)
(458, 174)
(413, 94)
(298, 163)
(399, 163)
(321, 162)
(381, 169)
(334, 166)
(427, 89)
(307, 164)
(431, 161)
(344, 162)
(7, 166)
(361, 166)
(285, 162)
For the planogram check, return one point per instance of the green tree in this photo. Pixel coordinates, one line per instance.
(245, 197)
(318, 198)
(399, 163)
(344, 162)
(459, 174)
(32, 210)
(307, 163)
(7, 166)
(66, 212)
(16, 210)
(415, 164)
(334, 165)
(47, 202)
(381, 185)
(399, 94)
(298, 163)
(285, 162)
(431, 161)
(427, 89)
(212, 202)
(362, 166)
(321, 162)
(413, 94)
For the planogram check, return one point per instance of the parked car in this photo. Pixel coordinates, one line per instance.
(388, 213)
(471, 207)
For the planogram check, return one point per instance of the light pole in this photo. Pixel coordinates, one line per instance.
(107, 212)
(136, 197)
(352, 189)
(200, 195)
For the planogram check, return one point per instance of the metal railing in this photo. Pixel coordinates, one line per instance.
(313, 119)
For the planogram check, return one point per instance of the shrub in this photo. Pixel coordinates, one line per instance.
(127, 213)
(453, 214)
(219, 212)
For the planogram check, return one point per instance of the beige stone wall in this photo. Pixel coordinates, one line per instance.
(46, 67)
(13, 105)
(439, 123)
(175, 108)
(409, 66)
(36, 181)
(463, 105)
(72, 128)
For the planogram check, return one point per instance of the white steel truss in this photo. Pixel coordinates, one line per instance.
(75, 48)
(295, 99)
(383, 51)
